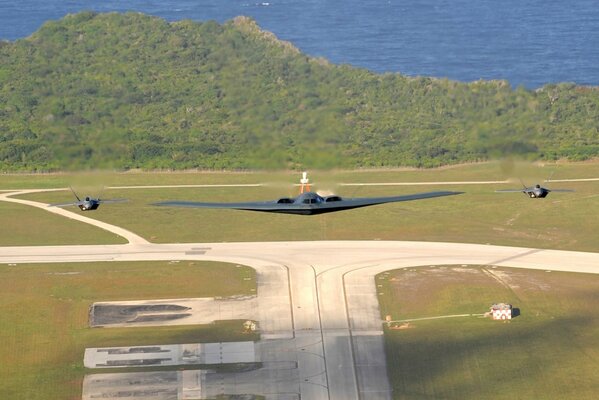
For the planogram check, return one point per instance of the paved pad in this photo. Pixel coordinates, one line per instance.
(134, 386)
(164, 355)
(278, 382)
(173, 311)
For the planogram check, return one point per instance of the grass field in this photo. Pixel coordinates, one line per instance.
(550, 351)
(44, 317)
(23, 225)
(560, 221)
(464, 172)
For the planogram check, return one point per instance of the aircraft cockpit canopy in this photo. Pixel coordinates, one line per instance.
(309, 198)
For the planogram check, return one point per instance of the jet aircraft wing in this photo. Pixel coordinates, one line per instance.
(76, 203)
(113, 200)
(251, 206)
(371, 201)
(561, 190)
(511, 190)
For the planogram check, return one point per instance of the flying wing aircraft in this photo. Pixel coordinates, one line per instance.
(88, 203)
(308, 202)
(534, 192)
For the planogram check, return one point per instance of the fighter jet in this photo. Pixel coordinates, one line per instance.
(308, 202)
(87, 204)
(534, 192)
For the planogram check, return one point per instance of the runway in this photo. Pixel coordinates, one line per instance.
(320, 297)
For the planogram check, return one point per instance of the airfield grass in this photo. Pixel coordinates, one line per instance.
(44, 316)
(549, 351)
(324, 179)
(561, 221)
(25, 225)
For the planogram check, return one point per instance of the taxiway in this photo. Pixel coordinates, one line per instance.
(321, 295)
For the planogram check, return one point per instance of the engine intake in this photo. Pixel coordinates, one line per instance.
(285, 200)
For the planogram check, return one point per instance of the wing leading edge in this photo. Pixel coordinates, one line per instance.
(371, 201)
(251, 206)
(76, 203)
(512, 190)
(113, 201)
(82, 202)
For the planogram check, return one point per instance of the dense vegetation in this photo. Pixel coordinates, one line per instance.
(134, 91)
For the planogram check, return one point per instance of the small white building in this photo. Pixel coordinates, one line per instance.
(501, 311)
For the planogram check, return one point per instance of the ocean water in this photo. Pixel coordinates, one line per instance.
(527, 42)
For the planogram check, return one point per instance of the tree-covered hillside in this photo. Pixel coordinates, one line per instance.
(134, 91)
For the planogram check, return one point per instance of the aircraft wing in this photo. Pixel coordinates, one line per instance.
(251, 206)
(371, 201)
(76, 203)
(113, 201)
(510, 191)
(561, 190)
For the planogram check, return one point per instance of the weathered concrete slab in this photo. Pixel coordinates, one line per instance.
(371, 366)
(133, 386)
(274, 304)
(173, 311)
(276, 382)
(164, 355)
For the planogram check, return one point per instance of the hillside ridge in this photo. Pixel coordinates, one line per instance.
(135, 91)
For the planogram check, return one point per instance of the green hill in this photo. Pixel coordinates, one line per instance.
(134, 91)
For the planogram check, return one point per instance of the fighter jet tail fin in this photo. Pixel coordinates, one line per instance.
(77, 197)
(522, 182)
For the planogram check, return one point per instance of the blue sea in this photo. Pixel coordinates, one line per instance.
(527, 42)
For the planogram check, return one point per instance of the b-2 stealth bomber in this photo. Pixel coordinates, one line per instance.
(308, 202)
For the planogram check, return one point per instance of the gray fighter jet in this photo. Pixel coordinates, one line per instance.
(534, 192)
(308, 202)
(88, 203)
